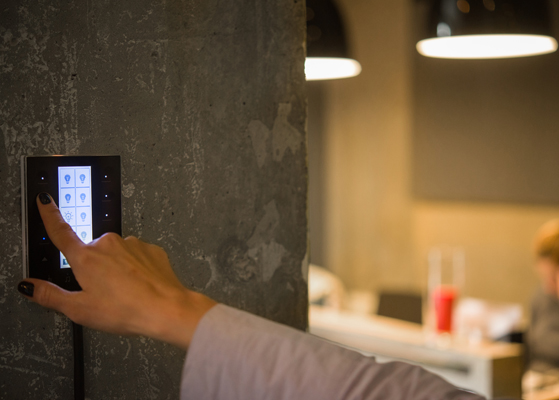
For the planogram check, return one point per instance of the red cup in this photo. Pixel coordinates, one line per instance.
(443, 298)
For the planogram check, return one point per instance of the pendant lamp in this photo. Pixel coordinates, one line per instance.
(485, 29)
(327, 51)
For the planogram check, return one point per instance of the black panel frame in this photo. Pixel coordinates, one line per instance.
(41, 259)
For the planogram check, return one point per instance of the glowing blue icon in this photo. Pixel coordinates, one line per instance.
(83, 215)
(68, 197)
(68, 216)
(82, 196)
(82, 177)
(67, 179)
(84, 235)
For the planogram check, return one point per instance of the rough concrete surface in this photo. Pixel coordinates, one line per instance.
(204, 100)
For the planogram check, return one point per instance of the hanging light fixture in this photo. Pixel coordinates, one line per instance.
(327, 52)
(483, 29)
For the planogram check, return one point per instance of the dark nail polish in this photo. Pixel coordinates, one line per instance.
(44, 198)
(26, 288)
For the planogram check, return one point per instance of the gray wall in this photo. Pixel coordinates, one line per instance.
(204, 100)
(486, 130)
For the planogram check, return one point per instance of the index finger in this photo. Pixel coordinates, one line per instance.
(60, 233)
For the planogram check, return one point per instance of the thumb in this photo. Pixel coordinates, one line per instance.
(46, 294)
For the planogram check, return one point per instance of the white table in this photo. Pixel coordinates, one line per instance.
(491, 369)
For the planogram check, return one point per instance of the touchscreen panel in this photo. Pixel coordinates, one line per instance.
(74, 202)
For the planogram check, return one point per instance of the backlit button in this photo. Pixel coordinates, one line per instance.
(107, 175)
(42, 236)
(43, 177)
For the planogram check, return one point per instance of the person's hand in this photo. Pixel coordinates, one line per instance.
(128, 286)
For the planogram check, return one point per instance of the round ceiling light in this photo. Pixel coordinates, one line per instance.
(320, 68)
(327, 49)
(487, 46)
(486, 29)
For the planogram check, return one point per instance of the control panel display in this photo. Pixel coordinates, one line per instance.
(74, 194)
(87, 190)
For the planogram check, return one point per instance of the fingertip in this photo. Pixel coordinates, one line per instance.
(26, 288)
(45, 293)
(44, 198)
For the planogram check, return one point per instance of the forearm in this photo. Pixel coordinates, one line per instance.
(235, 355)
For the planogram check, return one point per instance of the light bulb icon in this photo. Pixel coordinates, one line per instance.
(82, 178)
(83, 215)
(68, 216)
(82, 196)
(83, 235)
(68, 197)
(67, 179)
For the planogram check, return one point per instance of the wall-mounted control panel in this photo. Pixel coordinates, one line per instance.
(87, 190)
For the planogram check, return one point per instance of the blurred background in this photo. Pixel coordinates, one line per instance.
(417, 153)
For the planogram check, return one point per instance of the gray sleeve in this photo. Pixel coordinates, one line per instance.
(238, 356)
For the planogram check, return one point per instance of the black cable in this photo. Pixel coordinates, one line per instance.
(79, 384)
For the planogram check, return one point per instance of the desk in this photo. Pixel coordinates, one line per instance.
(491, 369)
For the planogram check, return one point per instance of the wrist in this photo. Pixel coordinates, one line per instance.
(177, 317)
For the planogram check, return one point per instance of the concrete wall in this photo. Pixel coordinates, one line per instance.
(377, 231)
(204, 100)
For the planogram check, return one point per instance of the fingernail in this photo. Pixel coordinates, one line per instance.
(26, 288)
(44, 198)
